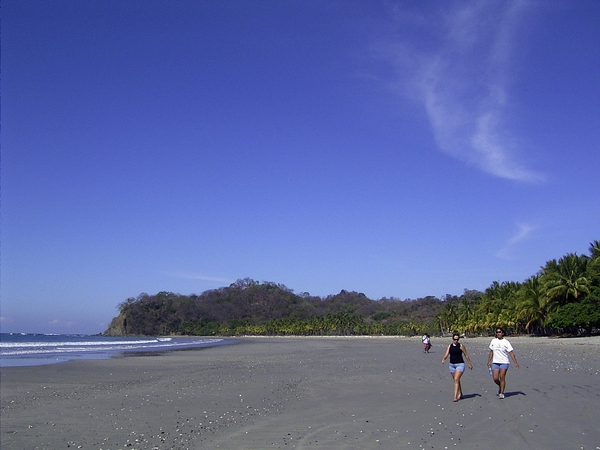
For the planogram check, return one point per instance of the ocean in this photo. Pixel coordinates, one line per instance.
(21, 349)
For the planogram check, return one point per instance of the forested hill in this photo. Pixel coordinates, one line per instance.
(563, 298)
(250, 307)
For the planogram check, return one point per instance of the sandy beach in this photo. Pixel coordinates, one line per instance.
(350, 393)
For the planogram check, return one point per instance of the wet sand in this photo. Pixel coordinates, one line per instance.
(350, 393)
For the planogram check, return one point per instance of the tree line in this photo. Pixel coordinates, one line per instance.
(248, 307)
(564, 297)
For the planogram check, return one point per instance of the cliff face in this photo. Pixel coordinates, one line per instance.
(117, 326)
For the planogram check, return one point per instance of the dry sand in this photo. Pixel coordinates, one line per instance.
(350, 393)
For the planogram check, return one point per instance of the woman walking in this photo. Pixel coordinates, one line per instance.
(457, 365)
(500, 350)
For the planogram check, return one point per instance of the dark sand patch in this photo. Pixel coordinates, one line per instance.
(308, 393)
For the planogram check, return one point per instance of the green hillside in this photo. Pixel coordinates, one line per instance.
(563, 298)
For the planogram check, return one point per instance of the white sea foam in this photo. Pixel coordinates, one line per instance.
(23, 349)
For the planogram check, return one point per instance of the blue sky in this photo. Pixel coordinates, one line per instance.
(399, 149)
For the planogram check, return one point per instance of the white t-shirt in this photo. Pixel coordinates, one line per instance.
(501, 349)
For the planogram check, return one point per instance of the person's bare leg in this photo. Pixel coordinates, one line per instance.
(457, 387)
(496, 377)
(502, 376)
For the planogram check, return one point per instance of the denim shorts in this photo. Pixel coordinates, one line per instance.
(454, 367)
(496, 366)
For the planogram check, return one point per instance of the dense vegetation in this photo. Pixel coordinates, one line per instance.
(249, 307)
(564, 297)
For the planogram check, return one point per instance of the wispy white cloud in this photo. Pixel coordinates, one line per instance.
(523, 232)
(61, 323)
(461, 74)
(198, 276)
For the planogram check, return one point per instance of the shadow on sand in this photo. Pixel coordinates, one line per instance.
(510, 394)
(465, 396)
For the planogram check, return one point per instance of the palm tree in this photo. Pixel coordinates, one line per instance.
(493, 298)
(531, 306)
(595, 250)
(594, 263)
(498, 305)
(476, 322)
(439, 322)
(446, 318)
(464, 313)
(565, 281)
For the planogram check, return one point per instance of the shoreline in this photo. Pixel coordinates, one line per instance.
(308, 392)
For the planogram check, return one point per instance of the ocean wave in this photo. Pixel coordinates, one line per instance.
(40, 345)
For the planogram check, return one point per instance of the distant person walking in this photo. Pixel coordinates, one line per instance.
(426, 343)
(498, 361)
(457, 365)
